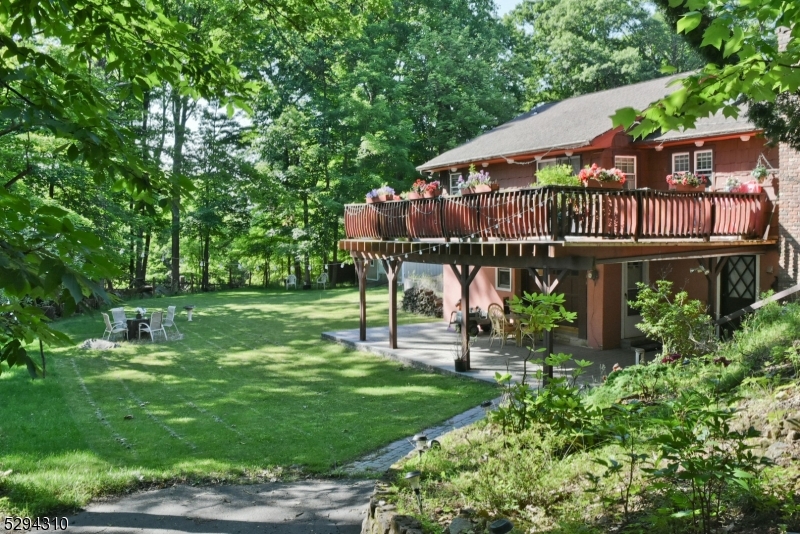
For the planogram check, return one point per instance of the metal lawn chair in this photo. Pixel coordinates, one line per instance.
(119, 317)
(169, 321)
(154, 327)
(112, 329)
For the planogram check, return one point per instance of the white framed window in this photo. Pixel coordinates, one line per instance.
(627, 164)
(680, 162)
(704, 162)
(454, 187)
(502, 279)
(574, 161)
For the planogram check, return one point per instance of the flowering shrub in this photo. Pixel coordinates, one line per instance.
(687, 178)
(474, 178)
(601, 175)
(382, 190)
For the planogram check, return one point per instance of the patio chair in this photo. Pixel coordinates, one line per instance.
(154, 327)
(322, 279)
(169, 321)
(291, 280)
(119, 317)
(112, 329)
(501, 328)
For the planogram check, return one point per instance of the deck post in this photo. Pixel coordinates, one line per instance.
(465, 278)
(391, 267)
(361, 272)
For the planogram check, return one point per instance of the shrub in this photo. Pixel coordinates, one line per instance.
(557, 175)
(681, 324)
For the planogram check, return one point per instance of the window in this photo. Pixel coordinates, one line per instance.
(574, 161)
(454, 188)
(704, 162)
(680, 162)
(627, 164)
(503, 279)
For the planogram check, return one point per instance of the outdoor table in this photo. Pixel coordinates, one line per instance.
(133, 327)
(189, 310)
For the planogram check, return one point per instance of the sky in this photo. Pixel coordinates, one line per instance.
(504, 6)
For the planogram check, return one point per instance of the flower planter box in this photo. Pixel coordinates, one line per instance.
(382, 198)
(414, 196)
(432, 194)
(597, 184)
(482, 188)
(689, 188)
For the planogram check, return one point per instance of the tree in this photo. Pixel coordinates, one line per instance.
(571, 47)
(53, 90)
(744, 64)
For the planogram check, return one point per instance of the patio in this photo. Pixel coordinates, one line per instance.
(431, 346)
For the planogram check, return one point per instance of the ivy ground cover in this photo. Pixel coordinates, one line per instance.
(250, 391)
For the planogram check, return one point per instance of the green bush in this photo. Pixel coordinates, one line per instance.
(557, 175)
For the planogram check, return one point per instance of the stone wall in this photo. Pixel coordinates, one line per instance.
(382, 517)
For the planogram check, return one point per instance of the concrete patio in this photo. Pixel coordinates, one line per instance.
(431, 346)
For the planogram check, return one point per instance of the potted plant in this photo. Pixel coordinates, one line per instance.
(760, 172)
(598, 177)
(732, 185)
(423, 189)
(557, 175)
(433, 189)
(381, 194)
(687, 181)
(417, 189)
(460, 362)
(477, 182)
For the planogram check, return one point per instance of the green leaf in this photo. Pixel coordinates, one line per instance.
(689, 21)
(624, 117)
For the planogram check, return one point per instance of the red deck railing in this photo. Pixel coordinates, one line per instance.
(558, 212)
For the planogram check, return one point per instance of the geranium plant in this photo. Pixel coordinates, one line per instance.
(474, 178)
(687, 178)
(601, 175)
(421, 186)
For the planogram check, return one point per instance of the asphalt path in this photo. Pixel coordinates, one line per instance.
(305, 507)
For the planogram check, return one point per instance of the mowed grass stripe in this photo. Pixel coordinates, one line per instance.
(251, 385)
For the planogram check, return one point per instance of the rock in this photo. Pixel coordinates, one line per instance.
(459, 525)
(776, 450)
(793, 435)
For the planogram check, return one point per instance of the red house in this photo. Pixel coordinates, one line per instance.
(593, 245)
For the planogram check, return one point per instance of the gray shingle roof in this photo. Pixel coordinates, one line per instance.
(574, 123)
(715, 125)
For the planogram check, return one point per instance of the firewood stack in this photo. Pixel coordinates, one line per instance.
(422, 302)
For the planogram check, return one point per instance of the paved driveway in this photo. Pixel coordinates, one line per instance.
(311, 506)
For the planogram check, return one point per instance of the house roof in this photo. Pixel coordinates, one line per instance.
(574, 123)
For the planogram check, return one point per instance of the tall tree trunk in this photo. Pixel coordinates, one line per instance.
(180, 113)
(143, 274)
(307, 257)
(206, 244)
(334, 268)
(266, 271)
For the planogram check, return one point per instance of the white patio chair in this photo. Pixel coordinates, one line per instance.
(169, 321)
(291, 280)
(323, 280)
(154, 327)
(112, 329)
(119, 317)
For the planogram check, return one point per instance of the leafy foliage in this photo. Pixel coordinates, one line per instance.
(681, 324)
(557, 175)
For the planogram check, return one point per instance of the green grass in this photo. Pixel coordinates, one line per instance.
(250, 388)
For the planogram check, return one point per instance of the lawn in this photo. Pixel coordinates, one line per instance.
(249, 390)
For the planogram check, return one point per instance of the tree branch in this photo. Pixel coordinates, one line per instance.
(18, 177)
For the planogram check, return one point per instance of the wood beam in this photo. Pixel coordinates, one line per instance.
(361, 272)
(392, 267)
(465, 277)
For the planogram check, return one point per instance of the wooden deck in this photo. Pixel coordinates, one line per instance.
(557, 214)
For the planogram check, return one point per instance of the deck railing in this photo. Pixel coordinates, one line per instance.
(555, 213)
